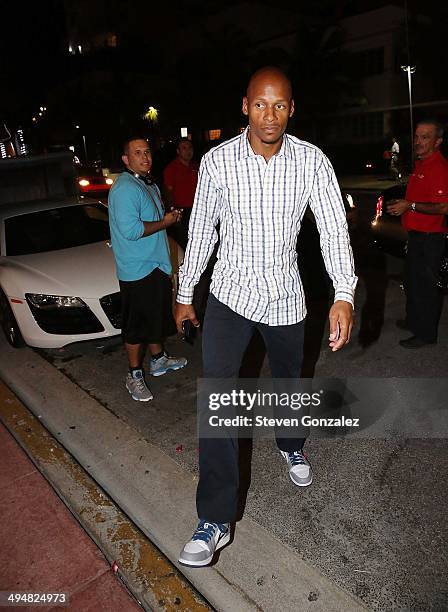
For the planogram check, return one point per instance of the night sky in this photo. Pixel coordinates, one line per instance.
(195, 79)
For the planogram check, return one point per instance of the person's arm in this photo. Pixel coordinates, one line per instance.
(151, 227)
(202, 234)
(126, 205)
(398, 207)
(328, 208)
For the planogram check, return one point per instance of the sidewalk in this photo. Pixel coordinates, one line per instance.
(44, 549)
(258, 572)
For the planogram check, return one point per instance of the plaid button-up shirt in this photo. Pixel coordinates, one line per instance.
(259, 206)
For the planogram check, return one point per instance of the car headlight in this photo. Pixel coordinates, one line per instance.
(47, 302)
(84, 182)
(109, 181)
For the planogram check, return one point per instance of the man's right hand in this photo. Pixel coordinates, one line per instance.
(398, 207)
(171, 217)
(183, 312)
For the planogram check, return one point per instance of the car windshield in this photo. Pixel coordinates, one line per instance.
(55, 229)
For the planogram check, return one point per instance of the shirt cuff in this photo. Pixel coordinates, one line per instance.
(185, 295)
(346, 295)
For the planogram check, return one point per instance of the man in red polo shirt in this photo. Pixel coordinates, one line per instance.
(424, 217)
(180, 178)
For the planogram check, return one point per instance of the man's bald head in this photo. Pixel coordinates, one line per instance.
(269, 105)
(268, 75)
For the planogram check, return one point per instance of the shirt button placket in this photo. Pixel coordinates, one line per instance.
(267, 189)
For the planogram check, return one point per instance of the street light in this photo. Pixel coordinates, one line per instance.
(410, 70)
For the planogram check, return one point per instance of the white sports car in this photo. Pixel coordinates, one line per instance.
(58, 283)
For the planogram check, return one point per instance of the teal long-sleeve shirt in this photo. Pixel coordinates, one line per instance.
(131, 202)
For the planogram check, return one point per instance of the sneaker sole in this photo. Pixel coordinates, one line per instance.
(222, 542)
(138, 399)
(168, 370)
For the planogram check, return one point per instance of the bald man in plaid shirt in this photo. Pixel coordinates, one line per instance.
(257, 187)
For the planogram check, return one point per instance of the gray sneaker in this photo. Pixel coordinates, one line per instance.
(206, 540)
(137, 387)
(300, 470)
(159, 367)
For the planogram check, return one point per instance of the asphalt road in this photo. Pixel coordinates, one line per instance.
(374, 520)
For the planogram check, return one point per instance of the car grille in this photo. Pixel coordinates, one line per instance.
(111, 305)
(66, 320)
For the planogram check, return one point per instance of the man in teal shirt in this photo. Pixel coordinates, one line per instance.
(138, 225)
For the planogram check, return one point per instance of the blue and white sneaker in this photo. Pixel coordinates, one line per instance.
(206, 540)
(300, 470)
(165, 363)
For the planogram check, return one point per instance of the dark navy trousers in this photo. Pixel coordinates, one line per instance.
(225, 338)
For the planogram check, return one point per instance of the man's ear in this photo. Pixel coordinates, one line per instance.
(293, 108)
(125, 159)
(244, 107)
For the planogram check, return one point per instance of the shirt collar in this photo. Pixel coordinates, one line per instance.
(245, 150)
(425, 162)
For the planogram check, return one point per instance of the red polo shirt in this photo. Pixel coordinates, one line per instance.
(428, 183)
(182, 180)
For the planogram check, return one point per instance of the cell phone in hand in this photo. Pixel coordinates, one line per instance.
(189, 331)
(176, 210)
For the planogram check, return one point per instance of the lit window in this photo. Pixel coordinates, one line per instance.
(214, 134)
(183, 132)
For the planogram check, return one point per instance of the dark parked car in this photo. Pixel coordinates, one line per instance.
(390, 235)
(311, 265)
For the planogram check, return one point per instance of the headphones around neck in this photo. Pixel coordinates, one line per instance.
(146, 179)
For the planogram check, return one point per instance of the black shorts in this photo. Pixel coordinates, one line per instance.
(147, 309)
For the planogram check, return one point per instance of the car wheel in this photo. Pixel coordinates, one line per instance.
(9, 323)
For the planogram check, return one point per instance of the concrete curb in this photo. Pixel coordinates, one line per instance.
(148, 575)
(256, 573)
